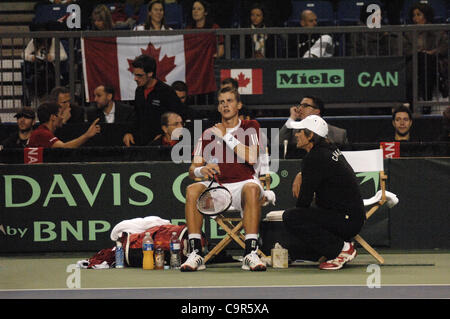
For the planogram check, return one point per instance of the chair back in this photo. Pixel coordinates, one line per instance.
(365, 161)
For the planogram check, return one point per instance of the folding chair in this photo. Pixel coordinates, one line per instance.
(372, 161)
(233, 225)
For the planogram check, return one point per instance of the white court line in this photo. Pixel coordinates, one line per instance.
(219, 287)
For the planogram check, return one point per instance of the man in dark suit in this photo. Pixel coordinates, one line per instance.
(108, 110)
(310, 105)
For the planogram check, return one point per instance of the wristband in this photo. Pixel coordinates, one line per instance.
(197, 172)
(231, 141)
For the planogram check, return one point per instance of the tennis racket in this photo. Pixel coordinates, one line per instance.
(214, 199)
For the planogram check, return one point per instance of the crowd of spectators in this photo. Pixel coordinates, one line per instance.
(151, 129)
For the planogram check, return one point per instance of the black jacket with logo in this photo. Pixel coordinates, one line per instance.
(327, 174)
(148, 111)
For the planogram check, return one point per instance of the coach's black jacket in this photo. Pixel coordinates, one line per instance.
(148, 111)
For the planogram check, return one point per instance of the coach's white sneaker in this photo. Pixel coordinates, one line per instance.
(253, 262)
(194, 262)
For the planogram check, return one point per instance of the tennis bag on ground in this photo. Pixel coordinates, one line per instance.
(132, 243)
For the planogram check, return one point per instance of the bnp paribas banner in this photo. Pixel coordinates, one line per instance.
(335, 80)
(75, 206)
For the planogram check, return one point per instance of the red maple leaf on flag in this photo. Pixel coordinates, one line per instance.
(163, 66)
(242, 80)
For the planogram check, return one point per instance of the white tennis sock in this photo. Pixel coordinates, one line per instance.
(251, 236)
(192, 236)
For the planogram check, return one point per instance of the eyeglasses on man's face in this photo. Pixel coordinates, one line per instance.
(306, 105)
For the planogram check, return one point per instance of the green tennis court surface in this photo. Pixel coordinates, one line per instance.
(424, 274)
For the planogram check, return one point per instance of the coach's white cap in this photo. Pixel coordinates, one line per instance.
(313, 123)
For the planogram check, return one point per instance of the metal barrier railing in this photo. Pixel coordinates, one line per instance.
(427, 71)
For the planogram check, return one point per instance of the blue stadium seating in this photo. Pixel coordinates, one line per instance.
(142, 14)
(49, 13)
(323, 10)
(348, 11)
(440, 8)
(174, 15)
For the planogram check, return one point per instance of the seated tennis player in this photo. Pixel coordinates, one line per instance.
(228, 152)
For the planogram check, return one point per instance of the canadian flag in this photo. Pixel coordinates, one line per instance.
(250, 80)
(187, 58)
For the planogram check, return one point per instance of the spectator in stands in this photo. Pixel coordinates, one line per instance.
(152, 98)
(310, 105)
(432, 47)
(201, 19)
(155, 17)
(181, 90)
(61, 95)
(258, 45)
(170, 121)
(26, 118)
(39, 56)
(402, 123)
(108, 110)
(371, 43)
(310, 45)
(101, 18)
(51, 116)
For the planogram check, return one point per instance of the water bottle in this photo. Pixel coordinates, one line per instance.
(175, 251)
(159, 256)
(147, 250)
(119, 255)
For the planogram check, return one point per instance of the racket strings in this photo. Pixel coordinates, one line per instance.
(215, 200)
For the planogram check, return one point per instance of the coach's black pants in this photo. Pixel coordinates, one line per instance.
(317, 232)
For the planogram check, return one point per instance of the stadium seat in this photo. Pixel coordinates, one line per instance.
(440, 8)
(49, 13)
(142, 17)
(323, 10)
(348, 11)
(174, 15)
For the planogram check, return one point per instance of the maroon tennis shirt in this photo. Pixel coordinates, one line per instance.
(42, 137)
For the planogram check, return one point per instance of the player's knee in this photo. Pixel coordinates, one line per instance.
(251, 190)
(193, 191)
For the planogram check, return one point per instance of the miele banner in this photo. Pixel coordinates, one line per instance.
(335, 80)
(75, 206)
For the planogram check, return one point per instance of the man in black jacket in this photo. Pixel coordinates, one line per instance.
(108, 110)
(152, 98)
(329, 211)
(26, 118)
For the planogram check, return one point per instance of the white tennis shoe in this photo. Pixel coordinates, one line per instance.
(194, 262)
(252, 262)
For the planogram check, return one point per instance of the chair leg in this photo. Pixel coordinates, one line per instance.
(369, 249)
(233, 233)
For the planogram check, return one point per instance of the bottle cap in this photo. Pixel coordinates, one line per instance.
(118, 244)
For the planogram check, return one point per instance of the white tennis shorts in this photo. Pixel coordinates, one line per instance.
(236, 191)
